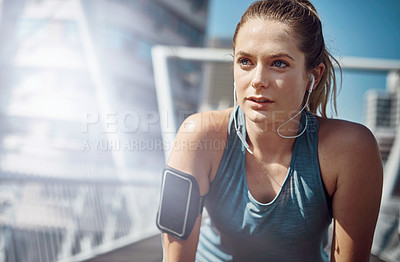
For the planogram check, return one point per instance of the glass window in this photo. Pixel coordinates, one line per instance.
(383, 112)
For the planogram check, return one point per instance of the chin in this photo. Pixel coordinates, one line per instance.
(259, 116)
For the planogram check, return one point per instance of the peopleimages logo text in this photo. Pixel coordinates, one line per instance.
(125, 122)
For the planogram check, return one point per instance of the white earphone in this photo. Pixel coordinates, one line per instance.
(312, 83)
(293, 117)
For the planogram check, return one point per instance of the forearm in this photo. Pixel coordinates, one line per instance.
(176, 250)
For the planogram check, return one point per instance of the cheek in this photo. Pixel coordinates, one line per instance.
(292, 90)
(237, 74)
(241, 83)
(295, 83)
(298, 96)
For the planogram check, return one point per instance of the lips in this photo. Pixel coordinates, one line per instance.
(259, 102)
(260, 99)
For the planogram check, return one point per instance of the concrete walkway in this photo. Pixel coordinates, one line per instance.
(147, 250)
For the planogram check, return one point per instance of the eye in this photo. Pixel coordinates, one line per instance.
(243, 61)
(280, 64)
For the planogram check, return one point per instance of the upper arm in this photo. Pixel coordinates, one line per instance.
(194, 154)
(197, 148)
(358, 171)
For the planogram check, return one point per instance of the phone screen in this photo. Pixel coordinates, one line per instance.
(175, 199)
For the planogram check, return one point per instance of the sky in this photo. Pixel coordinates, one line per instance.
(358, 28)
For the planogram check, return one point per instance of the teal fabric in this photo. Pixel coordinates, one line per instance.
(292, 227)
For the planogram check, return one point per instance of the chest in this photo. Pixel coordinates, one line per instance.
(265, 180)
(295, 211)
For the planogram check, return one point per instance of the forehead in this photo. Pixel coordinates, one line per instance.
(263, 35)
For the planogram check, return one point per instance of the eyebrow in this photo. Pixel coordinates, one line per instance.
(241, 53)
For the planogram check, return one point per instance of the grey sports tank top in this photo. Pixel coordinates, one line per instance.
(292, 227)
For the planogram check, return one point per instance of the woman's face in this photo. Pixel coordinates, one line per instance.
(269, 71)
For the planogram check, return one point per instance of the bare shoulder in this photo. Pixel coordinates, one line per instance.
(347, 151)
(340, 136)
(209, 124)
(199, 145)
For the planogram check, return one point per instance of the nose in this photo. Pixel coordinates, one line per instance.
(260, 79)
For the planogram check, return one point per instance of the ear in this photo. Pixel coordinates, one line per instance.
(317, 72)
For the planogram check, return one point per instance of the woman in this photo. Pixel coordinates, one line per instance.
(285, 173)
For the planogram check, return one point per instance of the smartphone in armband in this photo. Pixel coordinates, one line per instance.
(180, 203)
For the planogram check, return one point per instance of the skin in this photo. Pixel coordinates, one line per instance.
(269, 64)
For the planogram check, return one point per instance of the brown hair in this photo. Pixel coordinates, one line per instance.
(302, 18)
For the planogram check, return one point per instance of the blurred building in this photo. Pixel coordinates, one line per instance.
(81, 150)
(382, 110)
(217, 89)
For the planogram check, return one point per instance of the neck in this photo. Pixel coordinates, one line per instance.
(264, 139)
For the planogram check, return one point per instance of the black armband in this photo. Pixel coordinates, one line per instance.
(180, 203)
